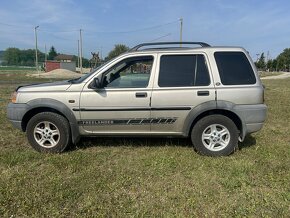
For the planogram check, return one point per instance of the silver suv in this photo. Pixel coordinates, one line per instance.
(211, 94)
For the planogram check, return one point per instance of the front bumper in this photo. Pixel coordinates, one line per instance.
(15, 114)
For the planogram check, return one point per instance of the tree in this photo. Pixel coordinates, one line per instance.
(283, 60)
(17, 57)
(261, 62)
(274, 65)
(118, 49)
(52, 53)
(12, 56)
(269, 65)
(86, 62)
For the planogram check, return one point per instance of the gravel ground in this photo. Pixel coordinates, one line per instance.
(282, 76)
(58, 73)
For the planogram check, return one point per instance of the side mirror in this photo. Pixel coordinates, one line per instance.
(95, 84)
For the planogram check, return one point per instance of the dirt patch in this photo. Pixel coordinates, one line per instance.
(58, 73)
(281, 76)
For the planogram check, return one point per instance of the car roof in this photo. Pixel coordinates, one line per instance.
(188, 49)
(158, 47)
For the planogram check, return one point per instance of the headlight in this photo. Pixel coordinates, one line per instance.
(13, 97)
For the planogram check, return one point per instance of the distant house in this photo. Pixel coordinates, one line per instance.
(64, 58)
(61, 61)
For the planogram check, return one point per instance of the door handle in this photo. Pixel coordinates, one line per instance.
(203, 93)
(141, 94)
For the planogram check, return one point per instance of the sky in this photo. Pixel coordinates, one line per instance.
(257, 25)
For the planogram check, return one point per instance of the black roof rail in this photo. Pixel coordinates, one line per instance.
(202, 44)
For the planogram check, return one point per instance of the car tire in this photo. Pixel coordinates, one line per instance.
(48, 132)
(215, 135)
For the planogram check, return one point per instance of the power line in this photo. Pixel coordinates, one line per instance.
(137, 30)
(40, 29)
(62, 31)
(59, 37)
(168, 34)
(89, 31)
(18, 26)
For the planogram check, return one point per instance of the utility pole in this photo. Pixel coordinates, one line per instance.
(36, 56)
(181, 23)
(81, 51)
(45, 54)
(78, 53)
(45, 57)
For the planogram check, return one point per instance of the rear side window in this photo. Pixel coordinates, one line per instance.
(234, 68)
(183, 70)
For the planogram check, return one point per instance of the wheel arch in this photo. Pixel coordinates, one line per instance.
(215, 107)
(50, 105)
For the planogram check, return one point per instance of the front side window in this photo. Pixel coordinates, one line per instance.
(130, 73)
(234, 68)
(183, 71)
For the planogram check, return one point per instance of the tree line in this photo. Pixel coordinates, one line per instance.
(281, 63)
(26, 57)
(18, 57)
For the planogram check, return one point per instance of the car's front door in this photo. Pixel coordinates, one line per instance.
(122, 105)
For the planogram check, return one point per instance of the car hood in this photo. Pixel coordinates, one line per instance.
(47, 87)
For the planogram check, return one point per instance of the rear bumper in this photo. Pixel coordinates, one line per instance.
(253, 127)
(15, 113)
(252, 116)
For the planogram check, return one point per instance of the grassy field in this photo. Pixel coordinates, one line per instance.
(264, 73)
(149, 177)
(16, 68)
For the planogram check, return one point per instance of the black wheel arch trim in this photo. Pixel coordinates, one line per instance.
(58, 106)
(213, 106)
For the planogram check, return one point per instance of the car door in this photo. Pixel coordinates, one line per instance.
(122, 105)
(182, 82)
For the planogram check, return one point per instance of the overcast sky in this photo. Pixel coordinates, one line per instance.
(257, 25)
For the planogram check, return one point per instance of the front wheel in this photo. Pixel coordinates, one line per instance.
(215, 135)
(48, 132)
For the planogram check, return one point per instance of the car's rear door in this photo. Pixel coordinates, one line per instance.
(182, 82)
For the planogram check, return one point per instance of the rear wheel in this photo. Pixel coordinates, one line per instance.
(215, 135)
(48, 132)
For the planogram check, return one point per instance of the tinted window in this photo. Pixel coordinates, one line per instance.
(183, 70)
(234, 68)
(129, 73)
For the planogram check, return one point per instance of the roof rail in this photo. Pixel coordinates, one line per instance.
(202, 44)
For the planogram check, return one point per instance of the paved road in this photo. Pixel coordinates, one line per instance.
(281, 76)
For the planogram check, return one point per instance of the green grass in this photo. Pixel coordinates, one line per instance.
(4, 68)
(149, 177)
(264, 74)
